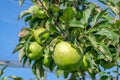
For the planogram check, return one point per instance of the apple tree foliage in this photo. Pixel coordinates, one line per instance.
(94, 30)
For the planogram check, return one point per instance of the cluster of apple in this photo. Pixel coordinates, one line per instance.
(65, 55)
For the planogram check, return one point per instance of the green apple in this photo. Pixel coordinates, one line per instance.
(67, 57)
(39, 12)
(41, 35)
(35, 51)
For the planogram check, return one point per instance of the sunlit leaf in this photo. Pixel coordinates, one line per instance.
(27, 44)
(93, 41)
(18, 47)
(100, 57)
(102, 73)
(76, 23)
(98, 16)
(113, 8)
(26, 12)
(68, 14)
(106, 52)
(90, 60)
(21, 55)
(15, 77)
(86, 13)
(111, 4)
(109, 34)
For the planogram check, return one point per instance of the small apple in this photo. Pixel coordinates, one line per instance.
(41, 35)
(35, 51)
(39, 12)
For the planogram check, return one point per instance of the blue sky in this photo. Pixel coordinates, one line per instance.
(9, 29)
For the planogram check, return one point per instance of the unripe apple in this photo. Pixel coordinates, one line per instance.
(35, 51)
(41, 35)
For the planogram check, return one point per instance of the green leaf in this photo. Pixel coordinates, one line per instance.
(28, 18)
(76, 23)
(117, 23)
(15, 77)
(105, 50)
(86, 13)
(102, 24)
(4, 78)
(89, 58)
(109, 34)
(66, 75)
(98, 16)
(29, 62)
(68, 14)
(24, 60)
(34, 23)
(26, 12)
(107, 64)
(102, 73)
(114, 8)
(104, 78)
(27, 44)
(18, 47)
(38, 70)
(93, 73)
(21, 55)
(99, 26)
(100, 57)
(59, 72)
(21, 2)
(55, 8)
(93, 41)
(112, 5)
(2, 70)
(102, 1)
